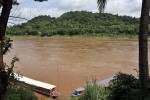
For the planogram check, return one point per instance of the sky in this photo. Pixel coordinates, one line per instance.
(55, 8)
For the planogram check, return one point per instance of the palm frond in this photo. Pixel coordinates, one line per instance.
(101, 5)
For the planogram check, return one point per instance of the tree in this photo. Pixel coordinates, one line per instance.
(143, 46)
(4, 74)
(7, 5)
(143, 42)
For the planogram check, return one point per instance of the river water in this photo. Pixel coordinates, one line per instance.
(69, 62)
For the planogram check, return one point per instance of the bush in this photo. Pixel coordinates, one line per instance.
(19, 93)
(124, 87)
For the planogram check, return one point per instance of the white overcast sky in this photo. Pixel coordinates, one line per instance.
(29, 8)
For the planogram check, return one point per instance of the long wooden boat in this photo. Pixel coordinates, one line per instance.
(37, 86)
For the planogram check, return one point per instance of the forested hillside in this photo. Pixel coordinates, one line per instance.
(78, 23)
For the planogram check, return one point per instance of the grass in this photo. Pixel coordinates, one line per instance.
(94, 92)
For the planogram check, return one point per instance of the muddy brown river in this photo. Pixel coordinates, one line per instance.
(69, 62)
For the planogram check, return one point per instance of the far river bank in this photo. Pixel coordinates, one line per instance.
(124, 37)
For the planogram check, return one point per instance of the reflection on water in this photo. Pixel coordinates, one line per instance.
(68, 62)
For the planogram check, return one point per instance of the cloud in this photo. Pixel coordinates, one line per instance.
(124, 7)
(19, 1)
(77, 4)
(29, 13)
(121, 7)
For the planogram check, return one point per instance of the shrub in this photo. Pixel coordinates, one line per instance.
(124, 87)
(19, 93)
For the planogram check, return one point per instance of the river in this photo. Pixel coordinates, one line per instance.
(69, 62)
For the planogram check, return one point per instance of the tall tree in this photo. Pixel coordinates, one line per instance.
(143, 46)
(7, 5)
(143, 42)
(4, 74)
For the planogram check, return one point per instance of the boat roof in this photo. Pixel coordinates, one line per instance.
(30, 81)
(105, 81)
(80, 89)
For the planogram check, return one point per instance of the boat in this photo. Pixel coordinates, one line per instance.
(78, 92)
(37, 86)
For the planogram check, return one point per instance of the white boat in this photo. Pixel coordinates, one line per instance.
(40, 87)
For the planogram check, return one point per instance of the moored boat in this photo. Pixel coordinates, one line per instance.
(37, 86)
(78, 91)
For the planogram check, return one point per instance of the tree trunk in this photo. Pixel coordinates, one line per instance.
(143, 46)
(3, 24)
(7, 5)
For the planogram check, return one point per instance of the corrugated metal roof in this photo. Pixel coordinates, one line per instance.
(102, 82)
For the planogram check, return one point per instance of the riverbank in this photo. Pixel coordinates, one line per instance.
(114, 37)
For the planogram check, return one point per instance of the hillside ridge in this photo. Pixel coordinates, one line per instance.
(77, 23)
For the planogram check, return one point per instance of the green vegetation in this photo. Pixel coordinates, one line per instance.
(19, 93)
(94, 92)
(78, 23)
(124, 87)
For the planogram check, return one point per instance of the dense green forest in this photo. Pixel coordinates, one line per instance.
(78, 23)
